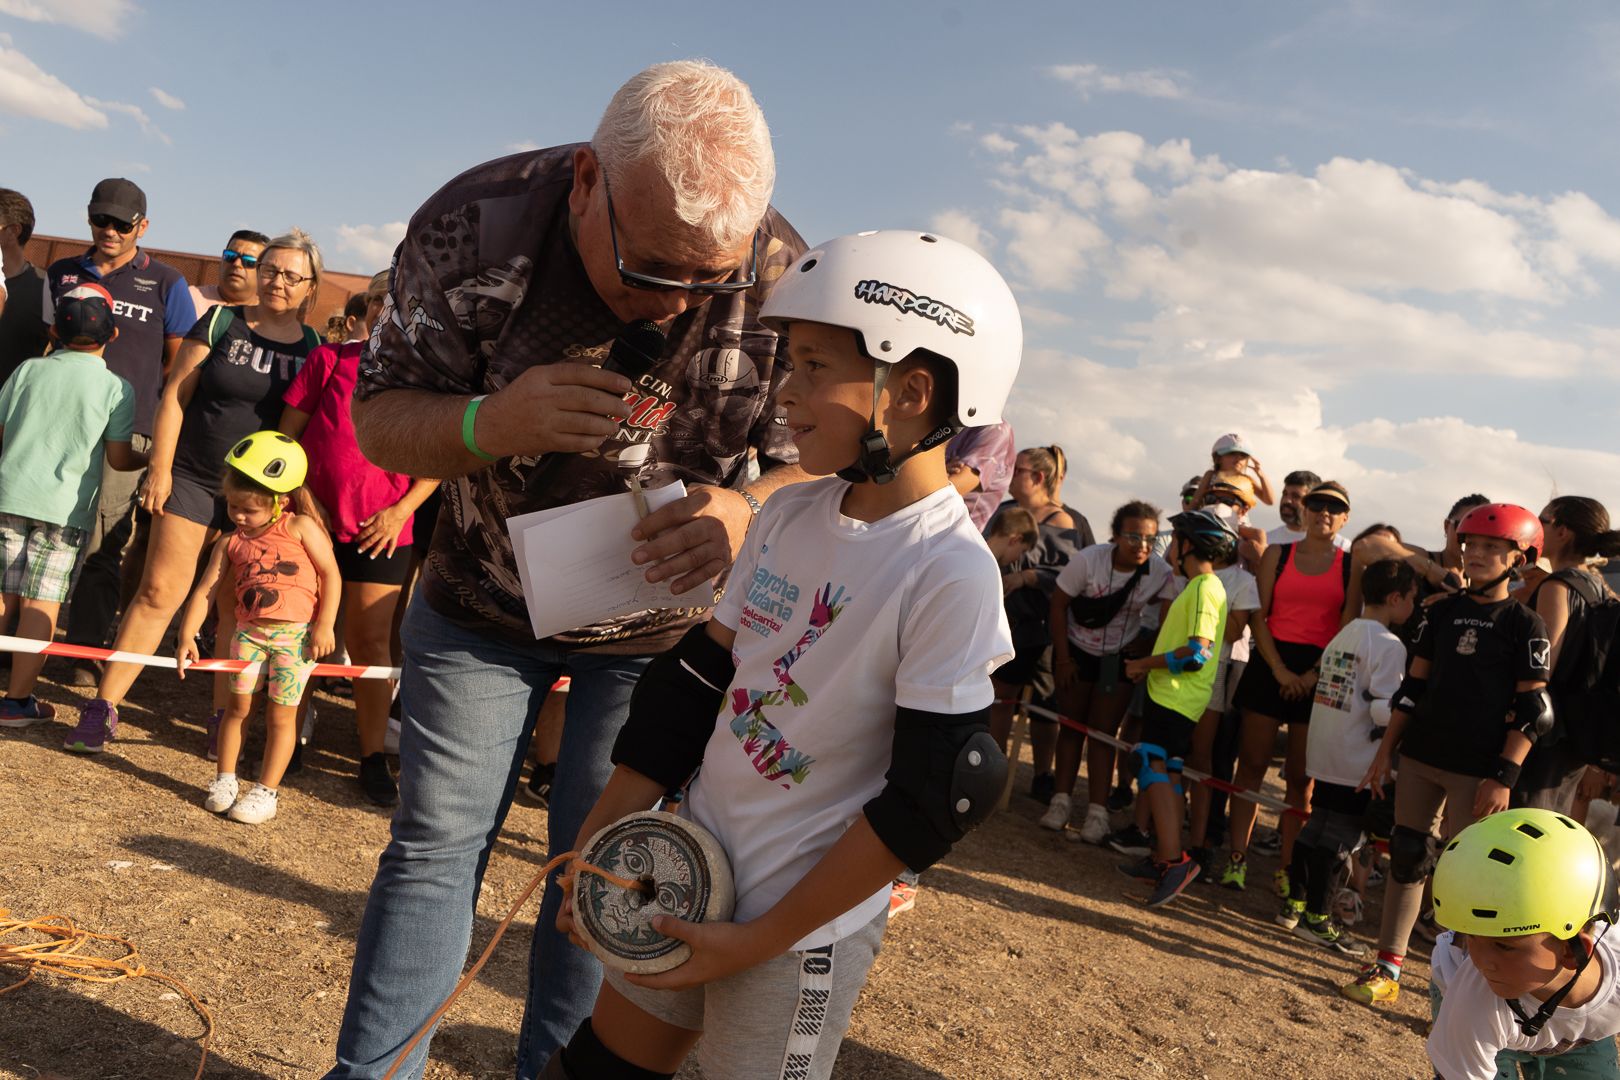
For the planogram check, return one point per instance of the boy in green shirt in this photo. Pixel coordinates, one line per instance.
(58, 415)
(1180, 675)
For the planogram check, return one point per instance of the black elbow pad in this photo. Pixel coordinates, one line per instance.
(1533, 713)
(673, 709)
(945, 777)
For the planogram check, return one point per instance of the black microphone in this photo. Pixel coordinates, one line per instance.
(637, 350)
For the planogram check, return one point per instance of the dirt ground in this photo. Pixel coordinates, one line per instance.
(1026, 955)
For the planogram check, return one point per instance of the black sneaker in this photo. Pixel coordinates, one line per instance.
(1120, 798)
(1327, 933)
(537, 791)
(1043, 787)
(1144, 869)
(376, 781)
(1173, 878)
(1130, 841)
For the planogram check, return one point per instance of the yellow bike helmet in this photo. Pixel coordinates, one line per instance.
(1522, 872)
(270, 458)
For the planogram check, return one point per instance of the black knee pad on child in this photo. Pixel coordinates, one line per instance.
(585, 1058)
(1411, 855)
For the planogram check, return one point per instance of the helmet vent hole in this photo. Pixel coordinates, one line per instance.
(1484, 913)
(1566, 823)
(973, 410)
(929, 239)
(1503, 857)
(275, 468)
(1453, 844)
(807, 266)
(282, 438)
(1529, 830)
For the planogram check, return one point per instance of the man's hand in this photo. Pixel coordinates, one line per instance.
(691, 540)
(555, 408)
(719, 949)
(1490, 798)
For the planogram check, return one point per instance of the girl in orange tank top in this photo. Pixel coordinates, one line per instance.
(281, 567)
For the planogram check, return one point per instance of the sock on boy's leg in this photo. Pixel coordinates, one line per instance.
(1391, 963)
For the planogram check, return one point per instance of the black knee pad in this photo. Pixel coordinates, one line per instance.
(585, 1058)
(1411, 855)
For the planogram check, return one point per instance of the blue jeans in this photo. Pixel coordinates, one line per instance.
(469, 706)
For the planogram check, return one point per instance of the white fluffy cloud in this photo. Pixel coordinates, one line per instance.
(373, 245)
(29, 91)
(103, 18)
(25, 90)
(166, 99)
(1171, 295)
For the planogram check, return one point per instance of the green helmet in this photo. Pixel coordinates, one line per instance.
(271, 459)
(1522, 871)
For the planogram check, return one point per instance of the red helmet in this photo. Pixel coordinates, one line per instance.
(1505, 522)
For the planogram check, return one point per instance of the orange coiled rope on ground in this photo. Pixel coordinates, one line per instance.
(61, 952)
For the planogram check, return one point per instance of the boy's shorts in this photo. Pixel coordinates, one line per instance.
(280, 648)
(1167, 728)
(38, 557)
(1337, 816)
(784, 1018)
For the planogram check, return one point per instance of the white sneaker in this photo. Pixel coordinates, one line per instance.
(221, 795)
(256, 807)
(1097, 824)
(1057, 813)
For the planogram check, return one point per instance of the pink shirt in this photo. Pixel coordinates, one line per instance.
(350, 487)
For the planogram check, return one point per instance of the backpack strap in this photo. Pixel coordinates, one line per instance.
(1282, 557)
(219, 321)
(1344, 567)
(311, 340)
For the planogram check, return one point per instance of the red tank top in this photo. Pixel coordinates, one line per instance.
(1305, 608)
(274, 579)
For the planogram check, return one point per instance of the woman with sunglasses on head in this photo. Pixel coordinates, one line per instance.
(1576, 530)
(226, 383)
(1305, 597)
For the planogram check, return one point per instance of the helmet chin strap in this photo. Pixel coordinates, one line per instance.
(1510, 574)
(1532, 1025)
(875, 462)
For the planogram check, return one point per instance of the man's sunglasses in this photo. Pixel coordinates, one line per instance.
(635, 280)
(107, 221)
(248, 261)
(1317, 505)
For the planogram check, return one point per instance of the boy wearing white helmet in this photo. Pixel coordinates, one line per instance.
(838, 700)
(1526, 980)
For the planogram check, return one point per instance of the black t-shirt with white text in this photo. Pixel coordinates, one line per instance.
(1477, 654)
(239, 388)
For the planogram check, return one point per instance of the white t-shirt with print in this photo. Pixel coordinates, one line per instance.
(1364, 660)
(1474, 1024)
(913, 603)
(1282, 534)
(1091, 573)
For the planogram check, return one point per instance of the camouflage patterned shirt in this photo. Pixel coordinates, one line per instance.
(486, 284)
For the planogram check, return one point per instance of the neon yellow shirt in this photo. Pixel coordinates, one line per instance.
(1199, 612)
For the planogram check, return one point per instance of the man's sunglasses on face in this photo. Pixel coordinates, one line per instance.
(248, 261)
(107, 221)
(635, 280)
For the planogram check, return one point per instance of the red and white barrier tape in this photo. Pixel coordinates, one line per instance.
(87, 652)
(1191, 774)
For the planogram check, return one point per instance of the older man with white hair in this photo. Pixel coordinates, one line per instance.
(507, 294)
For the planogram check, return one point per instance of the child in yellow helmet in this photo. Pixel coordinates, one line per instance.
(1527, 900)
(287, 587)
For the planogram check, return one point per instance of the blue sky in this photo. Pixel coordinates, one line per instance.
(1375, 238)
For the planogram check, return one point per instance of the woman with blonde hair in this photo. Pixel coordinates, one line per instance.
(368, 513)
(226, 383)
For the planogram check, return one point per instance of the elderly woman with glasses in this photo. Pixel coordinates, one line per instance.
(227, 382)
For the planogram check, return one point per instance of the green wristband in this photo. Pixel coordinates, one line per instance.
(467, 420)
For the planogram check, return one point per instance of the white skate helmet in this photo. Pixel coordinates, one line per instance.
(901, 291)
